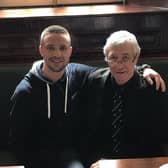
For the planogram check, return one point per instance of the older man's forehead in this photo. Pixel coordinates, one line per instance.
(120, 52)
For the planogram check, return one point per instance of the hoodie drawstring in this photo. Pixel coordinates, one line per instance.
(49, 99)
(66, 95)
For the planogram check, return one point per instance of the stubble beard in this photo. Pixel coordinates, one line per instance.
(57, 69)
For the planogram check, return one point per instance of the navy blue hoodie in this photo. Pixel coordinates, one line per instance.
(43, 112)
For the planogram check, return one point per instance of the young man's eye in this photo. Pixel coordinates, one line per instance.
(63, 48)
(53, 48)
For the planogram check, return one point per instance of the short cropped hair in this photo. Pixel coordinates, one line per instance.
(54, 29)
(120, 37)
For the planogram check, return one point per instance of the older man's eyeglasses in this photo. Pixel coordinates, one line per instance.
(124, 59)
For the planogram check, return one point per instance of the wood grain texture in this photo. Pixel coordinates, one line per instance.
(89, 27)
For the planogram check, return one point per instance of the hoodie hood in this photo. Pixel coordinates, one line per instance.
(37, 71)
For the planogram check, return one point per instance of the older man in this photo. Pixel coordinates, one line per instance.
(126, 117)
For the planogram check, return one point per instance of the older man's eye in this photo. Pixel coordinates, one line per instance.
(113, 58)
(126, 58)
(50, 48)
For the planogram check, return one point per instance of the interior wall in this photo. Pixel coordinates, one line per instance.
(19, 34)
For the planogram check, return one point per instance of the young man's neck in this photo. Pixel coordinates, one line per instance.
(53, 76)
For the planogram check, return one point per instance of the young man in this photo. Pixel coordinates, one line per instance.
(43, 113)
(43, 102)
(126, 117)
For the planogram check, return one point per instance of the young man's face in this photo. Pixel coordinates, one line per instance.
(122, 61)
(56, 51)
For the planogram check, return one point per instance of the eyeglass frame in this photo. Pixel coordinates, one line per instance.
(125, 59)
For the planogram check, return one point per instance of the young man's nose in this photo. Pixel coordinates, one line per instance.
(57, 52)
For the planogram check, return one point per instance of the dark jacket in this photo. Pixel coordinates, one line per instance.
(43, 113)
(145, 117)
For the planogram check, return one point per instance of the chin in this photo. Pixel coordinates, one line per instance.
(121, 81)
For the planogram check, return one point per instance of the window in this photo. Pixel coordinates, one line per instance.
(21, 3)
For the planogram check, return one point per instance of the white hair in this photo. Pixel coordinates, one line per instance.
(120, 37)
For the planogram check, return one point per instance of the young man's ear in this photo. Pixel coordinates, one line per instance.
(41, 50)
(70, 50)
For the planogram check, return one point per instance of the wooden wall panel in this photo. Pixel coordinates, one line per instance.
(19, 36)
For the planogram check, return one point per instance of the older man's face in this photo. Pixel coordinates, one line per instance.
(122, 60)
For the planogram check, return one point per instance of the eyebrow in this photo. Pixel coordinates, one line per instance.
(123, 54)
